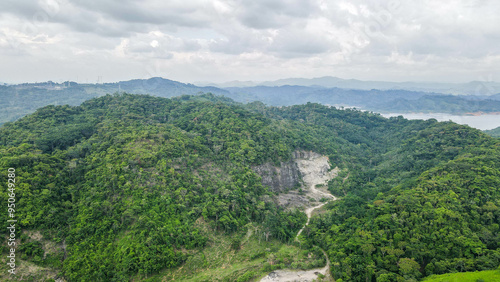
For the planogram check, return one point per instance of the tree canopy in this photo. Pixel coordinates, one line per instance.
(121, 181)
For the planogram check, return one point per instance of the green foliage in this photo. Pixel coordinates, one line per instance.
(493, 132)
(31, 249)
(236, 243)
(218, 262)
(445, 221)
(486, 275)
(19, 100)
(246, 277)
(122, 179)
(121, 183)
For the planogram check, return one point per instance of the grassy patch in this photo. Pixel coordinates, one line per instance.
(219, 261)
(37, 259)
(478, 276)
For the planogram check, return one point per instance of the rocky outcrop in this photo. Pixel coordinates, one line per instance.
(315, 170)
(281, 178)
(288, 174)
(305, 155)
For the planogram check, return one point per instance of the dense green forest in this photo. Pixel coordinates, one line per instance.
(133, 185)
(122, 179)
(427, 207)
(493, 132)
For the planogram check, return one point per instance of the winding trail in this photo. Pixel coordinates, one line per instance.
(314, 170)
(309, 214)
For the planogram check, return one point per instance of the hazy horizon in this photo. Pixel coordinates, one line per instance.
(207, 82)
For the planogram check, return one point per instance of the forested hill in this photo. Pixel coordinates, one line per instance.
(128, 186)
(19, 100)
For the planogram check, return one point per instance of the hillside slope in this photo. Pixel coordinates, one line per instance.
(134, 186)
(493, 132)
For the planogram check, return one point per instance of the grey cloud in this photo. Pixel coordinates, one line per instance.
(112, 17)
(26, 9)
(239, 42)
(262, 14)
(459, 28)
(37, 14)
(316, 33)
(181, 13)
(300, 43)
(157, 45)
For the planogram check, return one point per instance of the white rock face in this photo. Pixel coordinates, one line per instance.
(306, 164)
(281, 178)
(314, 169)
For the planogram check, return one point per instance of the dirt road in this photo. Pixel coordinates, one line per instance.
(315, 171)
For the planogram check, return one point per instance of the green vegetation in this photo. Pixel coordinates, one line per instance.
(135, 187)
(19, 100)
(255, 258)
(121, 179)
(493, 132)
(479, 276)
(429, 207)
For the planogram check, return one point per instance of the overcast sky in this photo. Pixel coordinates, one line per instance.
(224, 40)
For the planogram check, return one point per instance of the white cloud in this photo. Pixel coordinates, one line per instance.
(235, 39)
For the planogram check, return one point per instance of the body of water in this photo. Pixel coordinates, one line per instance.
(482, 122)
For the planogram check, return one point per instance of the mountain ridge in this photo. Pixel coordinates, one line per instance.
(475, 88)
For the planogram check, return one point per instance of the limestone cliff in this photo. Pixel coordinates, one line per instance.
(281, 178)
(287, 175)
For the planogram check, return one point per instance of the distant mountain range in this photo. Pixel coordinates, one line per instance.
(470, 88)
(386, 101)
(21, 99)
